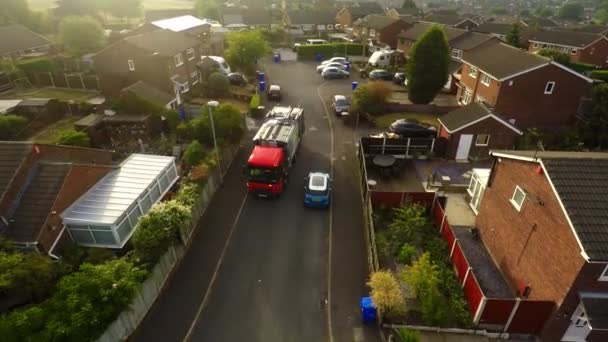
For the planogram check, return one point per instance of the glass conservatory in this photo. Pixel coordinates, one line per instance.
(106, 215)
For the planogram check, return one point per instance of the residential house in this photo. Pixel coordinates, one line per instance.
(164, 59)
(120, 131)
(601, 29)
(451, 21)
(380, 28)
(39, 181)
(153, 15)
(501, 31)
(310, 20)
(542, 218)
(262, 18)
(350, 13)
(473, 130)
(526, 89)
(538, 22)
(582, 47)
(405, 14)
(408, 37)
(17, 41)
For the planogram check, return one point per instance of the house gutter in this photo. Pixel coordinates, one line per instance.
(448, 330)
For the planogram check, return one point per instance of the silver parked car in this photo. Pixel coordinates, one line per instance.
(321, 67)
(333, 72)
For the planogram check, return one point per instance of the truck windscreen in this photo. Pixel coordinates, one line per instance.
(263, 175)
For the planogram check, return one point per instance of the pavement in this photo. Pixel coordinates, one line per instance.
(273, 270)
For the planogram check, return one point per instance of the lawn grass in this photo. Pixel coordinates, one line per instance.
(384, 121)
(243, 107)
(53, 93)
(41, 5)
(49, 133)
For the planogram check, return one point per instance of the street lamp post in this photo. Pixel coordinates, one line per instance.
(210, 105)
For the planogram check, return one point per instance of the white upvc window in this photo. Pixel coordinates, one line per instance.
(190, 54)
(482, 140)
(467, 97)
(372, 32)
(485, 80)
(194, 77)
(517, 200)
(573, 51)
(330, 26)
(536, 45)
(178, 59)
(549, 87)
(456, 53)
(473, 72)
(604, 275)
(131, 65)
(184, 88)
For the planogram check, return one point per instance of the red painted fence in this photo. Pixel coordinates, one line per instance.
(497, 311)
(400, 199)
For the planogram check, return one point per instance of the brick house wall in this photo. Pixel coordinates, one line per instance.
(488, 93)
(501, 137)
(388, 35)
(79, 179)
(595, 54)
(404, 45)
(344, 17)
(533, 247)
(587, 280)
(467, 24)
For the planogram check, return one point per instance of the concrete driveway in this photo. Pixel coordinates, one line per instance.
(265, 270)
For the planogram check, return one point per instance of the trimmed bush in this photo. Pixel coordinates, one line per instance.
(371, 97)
(11, 126)
(600, 75)
(582, 67)
(218, 83)
(253, 106)
(41, 64)
(188, 194)
(72, 137)
(310, 52)
(386, 294)
(194, 153)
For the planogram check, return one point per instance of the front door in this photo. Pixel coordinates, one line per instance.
(579, 327)
(464, 146)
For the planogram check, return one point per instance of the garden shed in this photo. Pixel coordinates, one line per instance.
(106, 215)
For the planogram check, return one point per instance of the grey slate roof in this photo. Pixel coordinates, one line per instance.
(164, 42)
(258, 17)
(596, 309)
(365, 8)
(376, 21)
(450, 20)
(418, 29)
(15, 38)
(36, 203)
(469, 40)
(464, 115)
(312, 17)
(496, 28)
(563, 37)
(580, 180)
(501, 60)
(231, 19)
(11, 156)
(150, 93)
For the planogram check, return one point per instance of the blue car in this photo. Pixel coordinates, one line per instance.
(317, 190)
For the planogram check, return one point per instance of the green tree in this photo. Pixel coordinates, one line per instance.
(409, 5)
(514, 36)
(572, 11)
(409, 225)
(11, 126)
(407, 254)
(593, 127)
(208, 9)
(218, 83)
(194, 153)
(499, 11)
(386, 294)
(88, 300)
(76, 7)
(245, 48)
(14, 11)
(559, 57)
(427, 67)
(81, 34)
(158, 230)
(72, 137)
(371, 97)
(23, 325)
(407, 335)
(543, 11)
(228, 125)
(29, 275)
(601, 16)
(120, 8)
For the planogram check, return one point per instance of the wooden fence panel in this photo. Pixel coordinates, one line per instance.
(530, 316)
(473, 293)
(385, 198)
(448, 234)
(460, 262)
(438, 215)
(497, 311)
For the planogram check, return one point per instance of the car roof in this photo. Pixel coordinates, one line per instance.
(275, 87)
(318, 181)
(378, 70)
(339, 97)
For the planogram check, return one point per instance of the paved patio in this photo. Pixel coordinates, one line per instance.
(458, 211)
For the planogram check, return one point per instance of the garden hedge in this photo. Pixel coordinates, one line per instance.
(41, 64)
(310, 52)
(600, 75)
(581, 67)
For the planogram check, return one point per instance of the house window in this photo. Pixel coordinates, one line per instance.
(473, 72)
(573, 51)
(178, 59)
(372, 32)
(330, 26)
(190, 54)
(485, 80)
(549, 87)
(536, 45)
(184, 87)
(131, 65)
(482, 140)
(604, 275)
(457, 53)
(519, 195)
(194, 76)
(467, 97)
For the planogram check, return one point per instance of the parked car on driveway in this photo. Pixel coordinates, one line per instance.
(321, 67)
(341, 60)
(274, 93)
(237, 79)
(413, 129)
(380, 74)
(317, 190)
(340, 104)
(333, 72)
(399, 78)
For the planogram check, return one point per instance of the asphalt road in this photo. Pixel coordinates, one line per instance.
(274, 273)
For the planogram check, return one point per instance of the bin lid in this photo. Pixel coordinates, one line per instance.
(366, 302)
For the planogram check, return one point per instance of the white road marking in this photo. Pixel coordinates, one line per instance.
(358, 334)
(215, 272)
(330, 332)
(313, 128)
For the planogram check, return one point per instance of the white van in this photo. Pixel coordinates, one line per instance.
(222, 66)
(380, 58)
